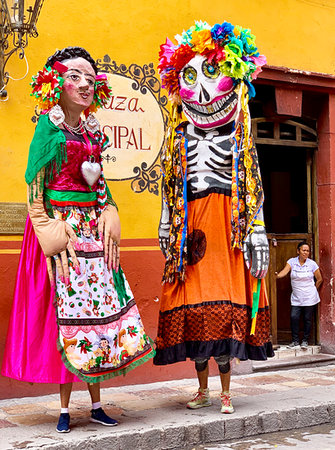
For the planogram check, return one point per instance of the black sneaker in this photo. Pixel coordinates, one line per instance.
(304, 345)
(294, 345)
(99, 416)
(63, 425)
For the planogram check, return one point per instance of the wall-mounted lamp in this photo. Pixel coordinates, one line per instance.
(18, 20)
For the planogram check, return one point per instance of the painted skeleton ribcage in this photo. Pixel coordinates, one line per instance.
(209, 161)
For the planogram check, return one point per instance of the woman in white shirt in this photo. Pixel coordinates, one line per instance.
(305, 294)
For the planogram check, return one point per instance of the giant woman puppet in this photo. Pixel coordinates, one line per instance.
(69, 329)
(212, 231)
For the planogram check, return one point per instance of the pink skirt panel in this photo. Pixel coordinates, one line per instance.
(31, 351)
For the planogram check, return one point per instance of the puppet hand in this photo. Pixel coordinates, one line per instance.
(164, 228)
(164, 244)
(61, 260)
(256, 251)
(163, 233)
(110, 232)
(52, 234)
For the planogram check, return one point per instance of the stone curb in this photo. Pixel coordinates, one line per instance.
(317, 360)
(154, 416)
(185, 436)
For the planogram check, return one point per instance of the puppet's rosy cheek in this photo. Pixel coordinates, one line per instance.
(225, 84)
(69, 86)
(186, 94)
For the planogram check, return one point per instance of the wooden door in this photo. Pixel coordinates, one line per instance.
(282, 248)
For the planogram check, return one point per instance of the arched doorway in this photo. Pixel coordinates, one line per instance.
(286, 151)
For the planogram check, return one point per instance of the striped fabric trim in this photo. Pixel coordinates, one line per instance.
(67, 198)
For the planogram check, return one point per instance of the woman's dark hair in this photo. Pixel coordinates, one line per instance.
(71, 53)
(303, 243)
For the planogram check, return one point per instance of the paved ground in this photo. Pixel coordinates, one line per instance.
(154, 416)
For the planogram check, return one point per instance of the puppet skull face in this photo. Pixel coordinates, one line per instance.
(209, 98)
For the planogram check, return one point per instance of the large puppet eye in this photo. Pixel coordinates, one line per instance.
(190, 75)
(210, 70)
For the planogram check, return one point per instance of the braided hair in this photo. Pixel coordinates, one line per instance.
(71, 53)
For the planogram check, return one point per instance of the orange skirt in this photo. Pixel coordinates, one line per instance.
(210, 313)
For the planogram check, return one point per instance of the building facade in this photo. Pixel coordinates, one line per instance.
(293, 124)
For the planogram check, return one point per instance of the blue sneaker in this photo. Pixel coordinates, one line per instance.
(63, 425)
(99, 416)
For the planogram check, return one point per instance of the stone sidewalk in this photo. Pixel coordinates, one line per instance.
(153, 416)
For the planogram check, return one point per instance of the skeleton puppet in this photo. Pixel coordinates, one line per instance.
(212, 201)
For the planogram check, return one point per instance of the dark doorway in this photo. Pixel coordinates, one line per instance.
(285, 175)
(286, 147)
(284, 178)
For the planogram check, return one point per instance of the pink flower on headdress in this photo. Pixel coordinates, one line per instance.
(259, 61)
(166, 51)
(170, 71)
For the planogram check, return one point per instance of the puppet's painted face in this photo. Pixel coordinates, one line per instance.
(209, 98)
(78, 87)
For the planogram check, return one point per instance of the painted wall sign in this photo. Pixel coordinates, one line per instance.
(134, 120)
(12, 218)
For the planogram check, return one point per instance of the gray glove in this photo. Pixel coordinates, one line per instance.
(256, 252)
(164, 229)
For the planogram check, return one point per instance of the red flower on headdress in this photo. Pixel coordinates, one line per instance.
(165, 53)
(216, 55)
(47, 87)
(181, 57)
(102, 93)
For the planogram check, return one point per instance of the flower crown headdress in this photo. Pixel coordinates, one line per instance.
(48, 85)
(232, 47)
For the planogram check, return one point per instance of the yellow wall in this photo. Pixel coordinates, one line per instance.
(295, 33)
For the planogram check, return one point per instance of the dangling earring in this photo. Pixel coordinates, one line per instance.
(91, 124)
(56, 115)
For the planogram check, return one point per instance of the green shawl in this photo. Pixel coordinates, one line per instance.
(47, 150)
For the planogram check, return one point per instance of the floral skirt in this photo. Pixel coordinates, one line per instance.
(93, 321)
(101, 334)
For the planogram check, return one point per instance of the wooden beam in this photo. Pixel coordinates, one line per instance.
(283, 76)
(286, 142)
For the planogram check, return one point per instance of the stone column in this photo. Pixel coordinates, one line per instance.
(326, 208)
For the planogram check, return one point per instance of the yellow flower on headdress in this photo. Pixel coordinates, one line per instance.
(237, 30)
(202, 40)
(46, 89)
(233, 66)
